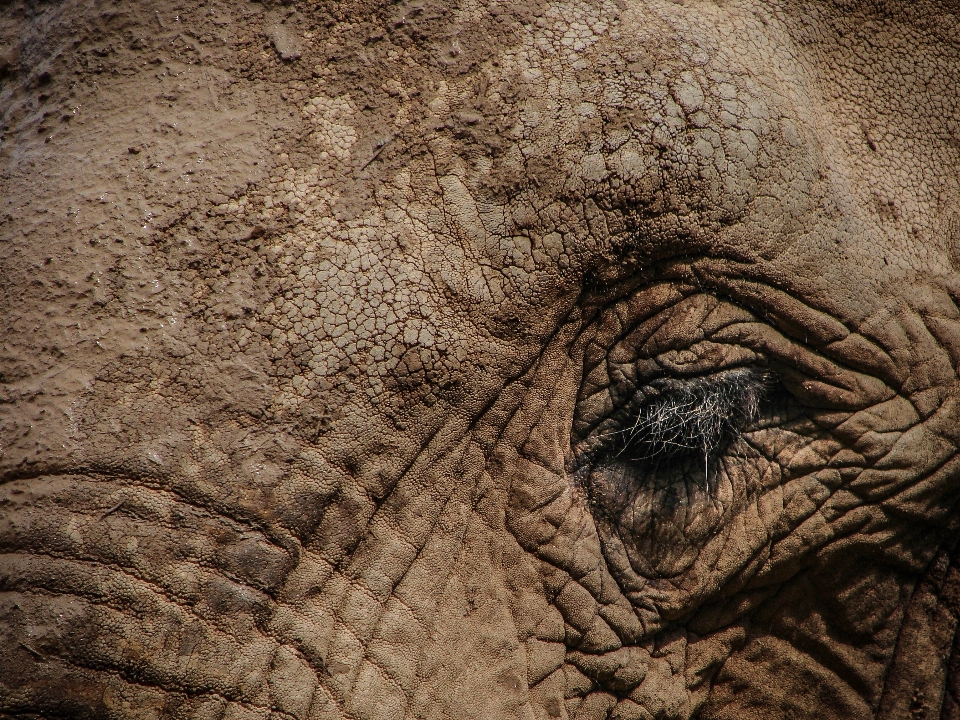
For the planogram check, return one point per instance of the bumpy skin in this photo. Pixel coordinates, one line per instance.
(317, 319)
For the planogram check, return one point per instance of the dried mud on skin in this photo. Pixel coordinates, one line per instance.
(343, 348)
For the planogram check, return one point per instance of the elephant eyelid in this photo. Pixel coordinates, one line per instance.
(697, 414)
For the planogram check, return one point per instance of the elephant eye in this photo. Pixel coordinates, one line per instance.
(670, 460)
(672, 418)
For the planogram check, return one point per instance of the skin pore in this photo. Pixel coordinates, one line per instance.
(541, 360)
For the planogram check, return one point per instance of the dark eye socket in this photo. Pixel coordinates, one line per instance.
(672, 418)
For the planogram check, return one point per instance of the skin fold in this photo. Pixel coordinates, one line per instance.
(479, 360)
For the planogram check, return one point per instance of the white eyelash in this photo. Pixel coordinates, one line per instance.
(697, 414)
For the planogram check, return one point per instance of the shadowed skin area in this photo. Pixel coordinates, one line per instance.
(479, 360)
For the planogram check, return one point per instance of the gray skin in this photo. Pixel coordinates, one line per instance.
(361, 361)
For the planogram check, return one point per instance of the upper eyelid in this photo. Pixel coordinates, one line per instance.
(668, 316)
(807, 372)
(618, 360)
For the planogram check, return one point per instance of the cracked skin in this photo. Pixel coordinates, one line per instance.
(335, 336)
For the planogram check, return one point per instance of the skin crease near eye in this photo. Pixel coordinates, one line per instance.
(500, 359)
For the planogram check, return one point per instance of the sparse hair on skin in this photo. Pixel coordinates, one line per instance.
(695, 415)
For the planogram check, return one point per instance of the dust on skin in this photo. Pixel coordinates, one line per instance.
(293, 431)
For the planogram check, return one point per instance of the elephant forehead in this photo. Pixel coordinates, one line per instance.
(702, 128)
(598, 128)
(601, 126)
(660, 83)
(593, 106)
(645, 114)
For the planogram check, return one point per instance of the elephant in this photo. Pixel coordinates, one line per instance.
(480, 359)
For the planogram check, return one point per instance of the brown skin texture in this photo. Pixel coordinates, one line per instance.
(315, 317)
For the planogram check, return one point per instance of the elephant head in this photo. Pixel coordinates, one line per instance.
(543, 359)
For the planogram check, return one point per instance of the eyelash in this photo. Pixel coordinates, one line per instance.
(694, 415)
(680, 419)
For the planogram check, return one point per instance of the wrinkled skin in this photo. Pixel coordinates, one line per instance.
(319, 322)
